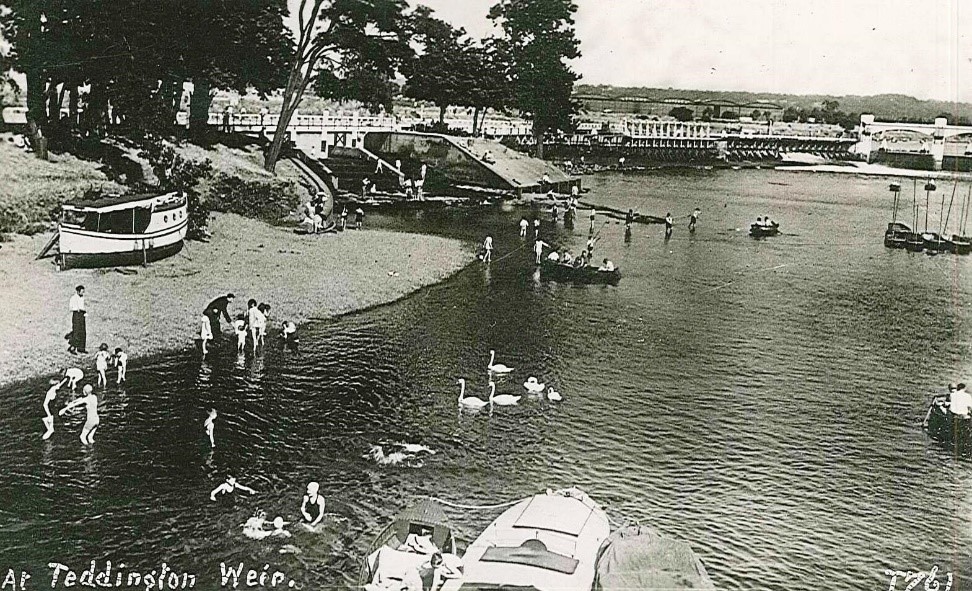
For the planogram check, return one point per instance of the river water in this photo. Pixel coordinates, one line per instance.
(761, 399)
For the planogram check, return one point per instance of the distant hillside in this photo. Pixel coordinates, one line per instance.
(896, 107)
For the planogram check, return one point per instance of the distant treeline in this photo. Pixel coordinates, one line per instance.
(885, 107)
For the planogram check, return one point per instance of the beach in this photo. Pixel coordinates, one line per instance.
(148, 310)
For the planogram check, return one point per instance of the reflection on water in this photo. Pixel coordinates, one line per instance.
(761, 399)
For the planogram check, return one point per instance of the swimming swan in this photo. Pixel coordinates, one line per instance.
(471, 401)
(499, 367)
(533, 385)
(502, 399)
(553, 395)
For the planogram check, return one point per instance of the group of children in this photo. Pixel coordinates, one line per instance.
(72, 376)
(252, 323)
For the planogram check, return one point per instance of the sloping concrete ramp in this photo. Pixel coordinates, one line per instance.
(464, 161)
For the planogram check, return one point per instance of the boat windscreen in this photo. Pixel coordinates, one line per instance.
(123, 221)
(532, 553)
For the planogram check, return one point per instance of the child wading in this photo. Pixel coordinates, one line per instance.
(101, 363)
(121, 362)
(90, 402)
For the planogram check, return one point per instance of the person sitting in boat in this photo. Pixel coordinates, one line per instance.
(567, 258)
(961, 402)
(759, 222)
(606, 265)
(554, 256)
(581, 260)
(435, 572)
(420, 542)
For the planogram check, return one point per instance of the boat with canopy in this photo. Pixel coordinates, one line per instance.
(118, 230)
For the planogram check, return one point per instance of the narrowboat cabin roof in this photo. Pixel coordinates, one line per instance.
(120, 202)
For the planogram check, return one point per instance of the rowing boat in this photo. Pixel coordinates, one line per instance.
(406, 544)
(761, 231)
(586, 274)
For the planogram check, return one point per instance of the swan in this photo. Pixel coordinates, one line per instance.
(553, 395)
(499, 367)
(469, 401)
(502, 399)
(533, 385)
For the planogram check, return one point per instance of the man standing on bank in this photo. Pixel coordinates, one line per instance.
(214, 309)
(78, 335)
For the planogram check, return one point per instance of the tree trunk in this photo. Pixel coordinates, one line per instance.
(442, 110)
(475, 128)
(482, 121)
(53, 109)
(73, 105)
(538, 138)
(199, 106)
(36, 116)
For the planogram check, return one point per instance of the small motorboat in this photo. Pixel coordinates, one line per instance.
(961, 244)
(119, 230)
(950, 429)
(407, 543)
(586, 274)
(896, 236)
(638, 557)
(935, 242)
(763, 231)
(547, 542)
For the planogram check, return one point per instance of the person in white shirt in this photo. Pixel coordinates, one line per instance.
(74, 376)
(554, 256)
(606, 265)
(523, 227)
(961, 403)
(256, 321)
(78, 336)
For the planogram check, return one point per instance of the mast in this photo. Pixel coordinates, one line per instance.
(949, 214)
(914, 206)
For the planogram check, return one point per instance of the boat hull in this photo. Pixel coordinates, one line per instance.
(426, 516)
(548, 542)
(757, 231)
(949, 429)
(80, 248)
(961, 245)
(586, 275)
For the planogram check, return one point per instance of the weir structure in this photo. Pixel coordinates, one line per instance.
(928, 147)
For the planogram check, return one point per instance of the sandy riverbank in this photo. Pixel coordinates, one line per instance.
(156, 308)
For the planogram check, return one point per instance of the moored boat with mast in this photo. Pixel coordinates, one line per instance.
(914, 242)
(961, 242)
(896, 236)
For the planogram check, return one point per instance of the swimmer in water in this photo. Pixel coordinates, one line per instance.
(48, 420)
(90, 401)
(229, 486)
(312, 507)
(278, 528)
(254, 526)
(208, 423)
(74, 376)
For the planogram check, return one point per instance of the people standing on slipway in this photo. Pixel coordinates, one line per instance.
(78, 336)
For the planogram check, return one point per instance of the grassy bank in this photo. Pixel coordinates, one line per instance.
(156, 308)
(32, 190)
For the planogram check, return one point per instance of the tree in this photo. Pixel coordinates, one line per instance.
(438, 74)
(346, 35)
(757, 115)
(538, 40)
(682, 113)
(230, 45)
(706, 114)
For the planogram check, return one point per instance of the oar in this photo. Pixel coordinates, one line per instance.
(947, 215)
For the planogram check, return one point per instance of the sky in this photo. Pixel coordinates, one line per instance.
(921, 48)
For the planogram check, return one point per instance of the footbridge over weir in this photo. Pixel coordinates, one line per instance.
(873, 142)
